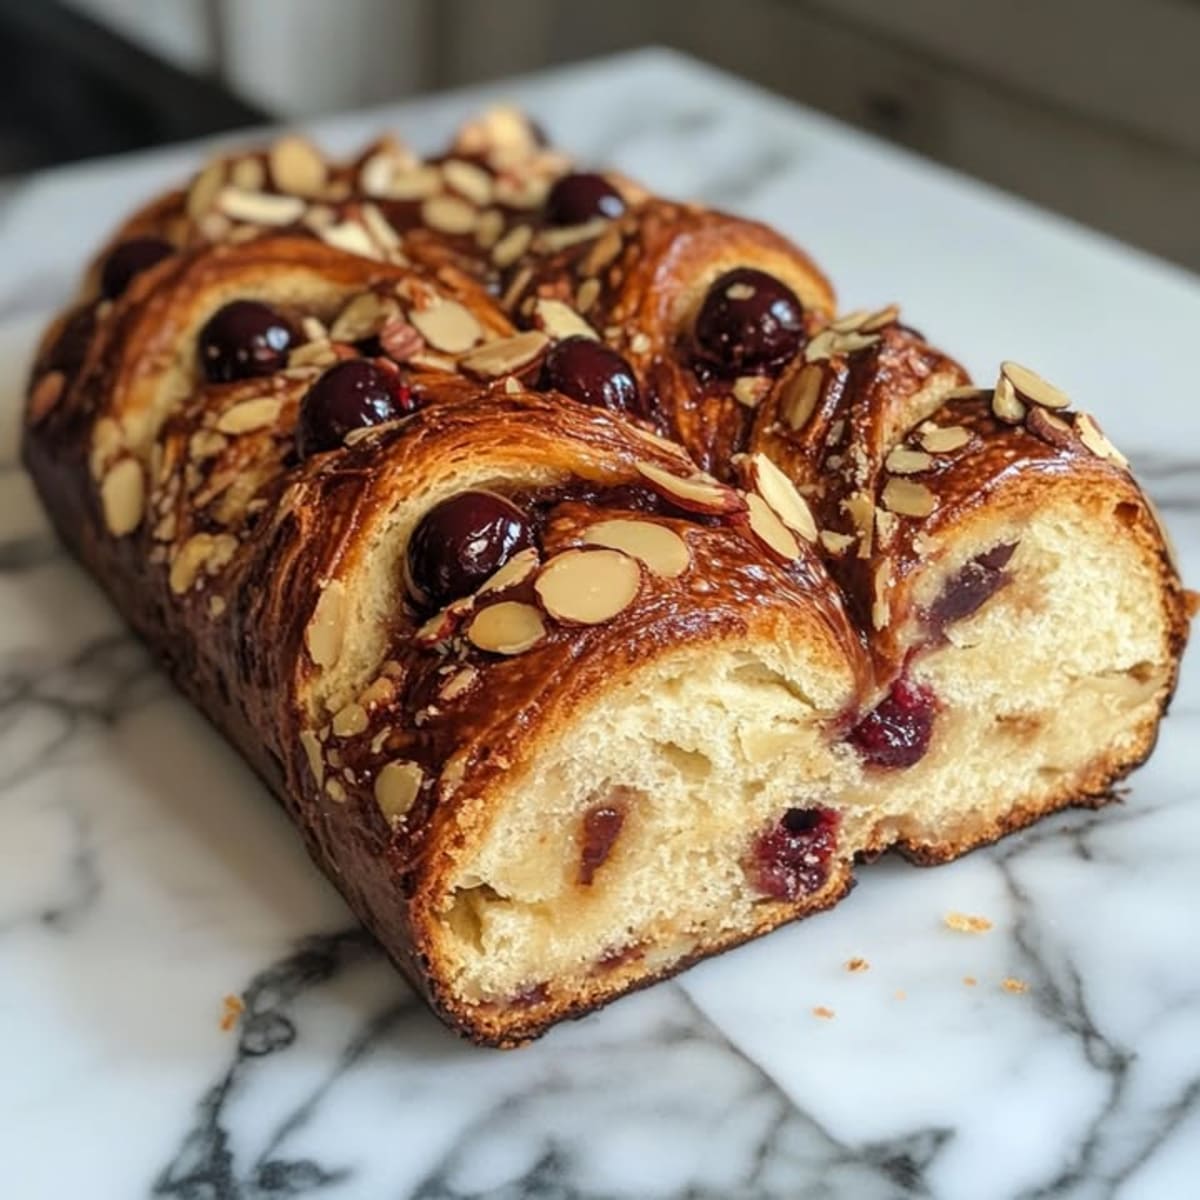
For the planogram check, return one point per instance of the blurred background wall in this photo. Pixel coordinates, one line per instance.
(1090, 107)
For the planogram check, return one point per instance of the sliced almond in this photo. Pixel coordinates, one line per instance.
(799, 396)
(189, 562)
(468, 180)
(905, 461)
(781, 494)
(505, 355)
(202, 195)
(1005, 405)
(449, 214)
(312, 354)
(259, 208)
(836, 543)
(1051, 429)
(325, 631)
(696, 493)
(489, 228)
(447, 326)
(749, 390)
(381, 231)
(881, 603)
(587, 295)
(908, 499)
(851, 343)
(878, 320)
(397, 787)
(350, 720)
(588, 587)
(123, 497)
(1092, 436)
(363, 317)
(1031, 386)
(507, 628)
(443, 624)
(458, 684)
(250, 415)
(941, 439)
(561, 321)
(603, 252)
(769, 529)
(851, 322)
(399, 340)
(821, 346)
(640, 343)
(351, 237)
(886, 524)
(516, 570)
(248, 174)
(525, 192)
(968, 392)
(661, 550)
(393, 181)
(550, 241)
(512, 245)
(512, 386)
(297, 166)
(860, 508)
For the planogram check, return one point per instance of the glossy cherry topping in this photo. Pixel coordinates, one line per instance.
(352, 394)
(580, 197)
(588, 371)
(968, 590)
(459, 543)
(243, 340)
(791, 858)
(749, 322)
(129, 259)
(896, 732)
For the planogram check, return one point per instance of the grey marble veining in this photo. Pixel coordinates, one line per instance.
(145, 875)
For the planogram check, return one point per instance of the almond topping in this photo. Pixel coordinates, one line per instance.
(458, 683)
(516, 570)
(1031, 386)
(189, 561)
(836, 543)
(940, 439)
(250, 415)
(551, 240)
(800, 395)
(1051, 429)
(351, 237)
(877, 320)
(561, 321)
(203, 192)
(904, 461)
(447, 326)
(489, 229)
(381, 230)
(659, 549)
(512, 245)
(750, 389)
(449, 214)
(587, 295)
(501, 357)
(394, 181)
(769, 529)
(363, 317)
(259, 208)
(968, 392)
(697, 493)
(861, 510)
(248, 174)
(468, 180)
(399, 340)
(297, 166)
(1005, 405)
(881, 605)
(780, 493)
(323, 637)
(587, 587)
(1092, 436)
(396, 789)
(602, 253)
(639, 343)
(507, 628)
(908, 499)
(349, 720)
(123, 497)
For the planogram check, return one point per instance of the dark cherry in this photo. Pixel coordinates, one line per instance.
(243, 340)
(352, 394)
(749, 322)
(129, 259)
(791, 858)
(580, 197)
(601, 827)
(461, 542)
(896, 732)
(588, 371)
(967, 591)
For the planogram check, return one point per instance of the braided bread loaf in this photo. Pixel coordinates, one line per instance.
(588, 593)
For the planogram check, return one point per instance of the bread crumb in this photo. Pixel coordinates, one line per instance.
(965, 923)
(970, 980)
(826, 1014)
(232, 1008)
(858, 964)
(1017, 986)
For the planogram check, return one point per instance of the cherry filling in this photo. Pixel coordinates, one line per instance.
(749, 322)
(243, 340)
(459, 543)
(129, 259)
(580, 197)
(967, 591)
(353, 394)
(791, 858)
(601, 827)
(588, 371)
(896, 732)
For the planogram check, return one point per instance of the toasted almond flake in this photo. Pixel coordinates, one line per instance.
(458, 683)
(908, 499)
(250, 415)
(399, 340)
(905, 461)
(821, 346)
(468, 180)
(512, 245)
(749, 390)
(881, 603)
(449, 214)
(381, 231)
(860, 508)
(1016, 986)
(248, 174)
(489, 228)
(351, 237)
(123, 497)
(799, 396)
(836, 543)
(969, 981)
(46, 394)
(639, 343)
(512, 386)
(878, 320)
(323, 636)
(886, 524)
(606, 249)
(442, 624)
(447, 326)
(1051, 429)
(739, 291)
(363, 317)
(856, 965)
(524, 193)
(203, 192)
(661, 550)
(395, 181)
(697, 492)
(966, 923)
(259, 208)
(850, 343)
(1031, 386)
(851, 322)
(516, 287)
(505, 355)
(312, 354)
(588, 587)
(507, 628)
(560, 321)
(297, 166)
(381, 691)
(318, 217)
(780, 493)
(314, 754)
(769, 529)
(335, 791)
(1092, 436)
(377, 170)
(587, 295)
(216, 607)
(516, 570)
(189, 562)
(349, 720)
(826, 1014)
(941, 439)
(1005, 405)
(550, 241)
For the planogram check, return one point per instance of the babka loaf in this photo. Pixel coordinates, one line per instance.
(590, 594)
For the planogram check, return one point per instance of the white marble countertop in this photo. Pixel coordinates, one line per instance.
(145, 875)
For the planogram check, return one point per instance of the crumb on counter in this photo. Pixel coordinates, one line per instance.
(901, 995)
(1016, 986)
(858, 964)
(970, 980)
(966, 923)
(232, 1008)
(826, 1014)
